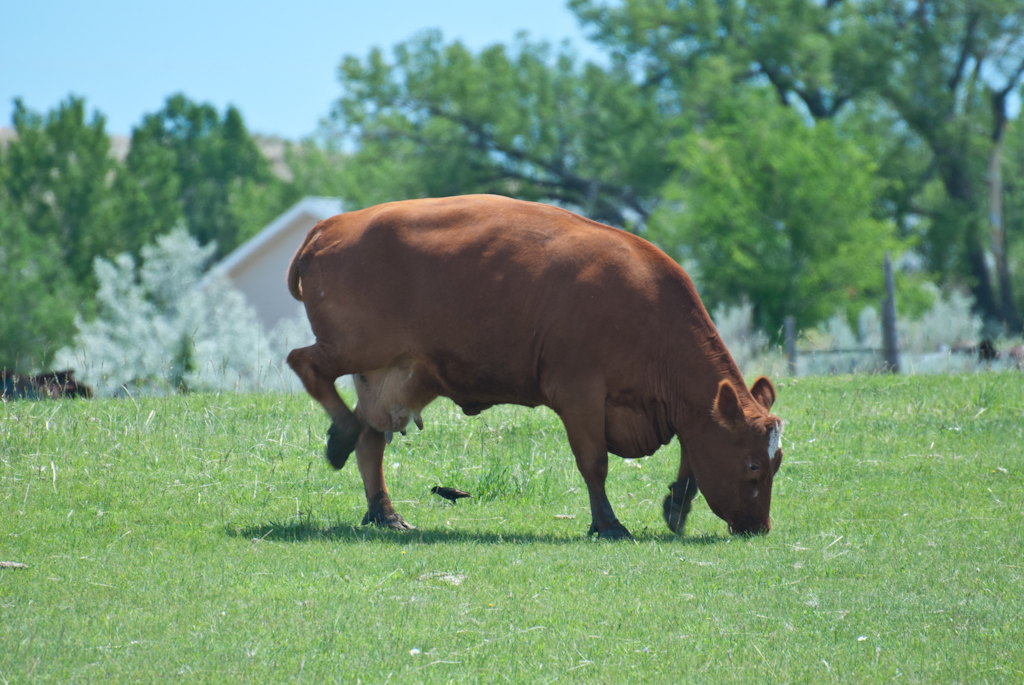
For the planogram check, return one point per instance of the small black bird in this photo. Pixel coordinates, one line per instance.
(450, 494)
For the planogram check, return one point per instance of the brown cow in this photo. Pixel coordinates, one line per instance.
(488, 300)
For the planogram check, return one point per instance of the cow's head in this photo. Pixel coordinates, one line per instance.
(735, 462)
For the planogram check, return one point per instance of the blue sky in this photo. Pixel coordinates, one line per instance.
(276, 62)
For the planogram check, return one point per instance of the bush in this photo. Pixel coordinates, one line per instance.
(164, 327)
(941, 340)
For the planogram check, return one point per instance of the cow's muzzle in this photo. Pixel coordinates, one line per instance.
(750, 528)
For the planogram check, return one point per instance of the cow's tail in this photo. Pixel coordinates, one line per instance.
(298, 265)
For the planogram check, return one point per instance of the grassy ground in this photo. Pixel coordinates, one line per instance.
(203, 538)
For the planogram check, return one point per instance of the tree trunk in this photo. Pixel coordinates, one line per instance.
(984, 296)
(1007, 309)
(956, 179)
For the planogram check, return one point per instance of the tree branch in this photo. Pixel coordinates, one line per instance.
(815, 102)
(776, 79)
(654, 80)
(562, 178)
(966, 48)
(1012, 83)
(999, 104)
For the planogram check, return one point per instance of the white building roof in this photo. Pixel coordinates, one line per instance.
(317, 208)
(257, 267)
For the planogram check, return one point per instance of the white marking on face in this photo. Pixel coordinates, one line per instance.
(774, 440)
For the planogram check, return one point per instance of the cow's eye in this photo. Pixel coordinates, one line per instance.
(754, 468)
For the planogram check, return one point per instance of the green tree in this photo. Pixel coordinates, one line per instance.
(1013, 214)
(769, 209)
(64, 201)
(58, 177)
(188, 162)
(318, 165)
(820, 54)
(693, 153)
(38, 294)
(939, 73)
(439, 120)
(949, 82)
(57, 208)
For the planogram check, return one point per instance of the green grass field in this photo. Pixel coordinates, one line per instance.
(204, 538)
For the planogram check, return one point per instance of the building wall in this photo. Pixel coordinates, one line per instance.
(258, 268)
(262, 277)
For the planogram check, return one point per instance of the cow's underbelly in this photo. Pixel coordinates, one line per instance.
(392, 397)
(632, 433)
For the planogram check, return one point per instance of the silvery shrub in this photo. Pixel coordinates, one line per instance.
(172, 325)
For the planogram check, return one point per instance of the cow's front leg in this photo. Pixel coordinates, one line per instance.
(587, 440)
(370, 458)
(677, 504)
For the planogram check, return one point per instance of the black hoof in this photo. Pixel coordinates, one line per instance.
(341, 440)
(383, 519)
(677, 504)
(616, 532)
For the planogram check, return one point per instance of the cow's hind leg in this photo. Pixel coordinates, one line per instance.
(317, 371)
(370, 458)
(587, 440)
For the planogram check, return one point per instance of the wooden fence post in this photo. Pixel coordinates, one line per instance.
(890, 341)
(790, 332)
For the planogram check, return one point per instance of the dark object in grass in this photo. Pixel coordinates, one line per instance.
(987, 351)
(450, 494)
(51, 385)
(1016, 353)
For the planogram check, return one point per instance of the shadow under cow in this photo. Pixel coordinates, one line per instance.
(300, 531)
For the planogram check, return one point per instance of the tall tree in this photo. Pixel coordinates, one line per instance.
(1013, 207)
(39, 296)
(767, 209)
(439, 120)
(818, 54)
(949, 82)
(701, 159)
(58, 176)
(57, 207)
(189, 163)
(944, 68)
(773, 202)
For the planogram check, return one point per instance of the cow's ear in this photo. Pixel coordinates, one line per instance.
(727, 410)
(764, 392)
